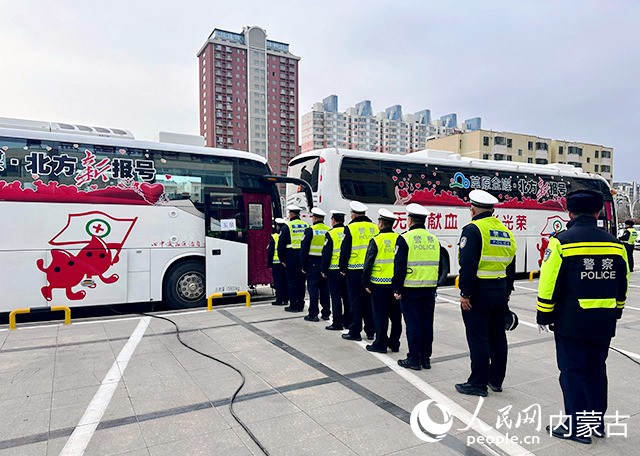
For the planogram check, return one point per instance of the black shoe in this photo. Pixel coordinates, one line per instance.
(278, 303)
(333, 327)
(394, 349)
(370, 337)
(310, 318)
(291, 309)
(426, 364)
(560, 432)
(371, 348)
(326, 317)
(407, 365)
(494, 388)
(348, 336)
(465, 388)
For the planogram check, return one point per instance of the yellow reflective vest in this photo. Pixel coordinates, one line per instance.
(498, 248)
(382, 271)
(337, 235)
(633, 235)
(423, 258)
(296, 231)
(319, 231)
(276, 258)
(361, 234)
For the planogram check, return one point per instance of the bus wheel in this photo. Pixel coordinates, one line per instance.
(444, 268)
(184, 285)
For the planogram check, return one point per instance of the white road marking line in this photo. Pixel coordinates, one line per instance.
(535, 326)
(457, 410)
(526, 288)
(81, 436)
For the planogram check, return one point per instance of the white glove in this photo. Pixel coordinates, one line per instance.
(543, 328)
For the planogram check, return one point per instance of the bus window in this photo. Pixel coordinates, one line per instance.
(362, 181)
(306, 169)
(256, 221)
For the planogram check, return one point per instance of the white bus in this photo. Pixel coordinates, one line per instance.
(91, 216)
(532, 197)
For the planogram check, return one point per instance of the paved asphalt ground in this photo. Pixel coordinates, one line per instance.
(125, 385)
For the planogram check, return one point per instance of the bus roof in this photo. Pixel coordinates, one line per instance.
(124, 142)
(443, 157)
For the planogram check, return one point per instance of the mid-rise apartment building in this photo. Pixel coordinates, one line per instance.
(493, 145)
(249, 95)
(359, 128)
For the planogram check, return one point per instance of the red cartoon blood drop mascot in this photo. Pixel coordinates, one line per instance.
(96, 259)
(63, 272)
(67, 271)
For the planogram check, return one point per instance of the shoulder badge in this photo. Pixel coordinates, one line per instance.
(547, 253)
(463, 242)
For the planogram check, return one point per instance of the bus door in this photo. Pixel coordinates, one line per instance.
(258, 207)
(225, 241)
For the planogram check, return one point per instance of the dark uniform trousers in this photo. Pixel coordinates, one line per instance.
(418, 306)
(583, 374)
(295, 279)
(339, 298)
(318, 289)
(280, 283)
(486, 337)
(385, 308)
(360, 305)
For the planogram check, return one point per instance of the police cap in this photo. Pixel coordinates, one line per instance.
(416, 211)
(357, 207)
(629, 222)
(585, 201)
(280, 221)
(293, 208)
(386, 214)
(334, 212)
(482, 199)
(317, 212)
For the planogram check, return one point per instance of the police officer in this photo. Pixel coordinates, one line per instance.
(376, 278)
(357, 235)
(289, 252)
(311, 262)
(415, 278)
(487, 270)
(273, 261)
(331, 271)
(628, 238)
(582, 292)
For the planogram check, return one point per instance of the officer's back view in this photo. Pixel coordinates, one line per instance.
(582, 291)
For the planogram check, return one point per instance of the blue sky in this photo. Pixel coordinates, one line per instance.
(559, 69)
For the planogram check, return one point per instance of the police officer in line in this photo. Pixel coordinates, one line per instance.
(331, 271)
(415, 278)
(376, 278)
(628, 238)
(582, 292)
(487, 252)
(357, 235)
(311, 262)
(289, 253)
(278, 271)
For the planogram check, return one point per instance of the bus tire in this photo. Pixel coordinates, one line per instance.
(444, 267)
(184, 285)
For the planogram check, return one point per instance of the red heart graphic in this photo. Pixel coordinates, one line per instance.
(394, 178)
(167, 176)
(151, 192)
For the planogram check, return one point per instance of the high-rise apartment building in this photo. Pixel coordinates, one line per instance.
(358, 128)
(494, 145)
(249, 95)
